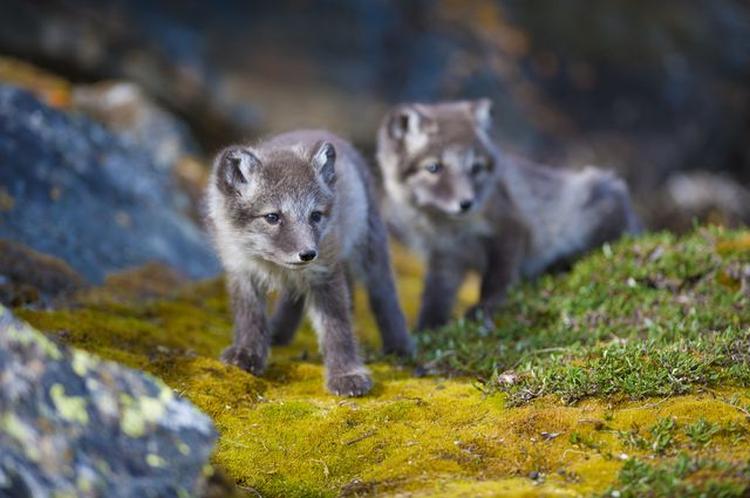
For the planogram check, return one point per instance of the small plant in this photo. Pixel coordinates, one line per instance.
(583, 440)
(662, 435)
(701, 432)
(633, 438)
(660, 440)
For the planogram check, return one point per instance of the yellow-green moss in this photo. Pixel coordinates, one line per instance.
(284, 435)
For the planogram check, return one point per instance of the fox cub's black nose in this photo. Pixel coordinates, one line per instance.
(307, 255)
(466, 204)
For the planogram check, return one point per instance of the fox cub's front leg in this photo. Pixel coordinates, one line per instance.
(330, 312)
(249, 351)
(441, 285)
(504, 257)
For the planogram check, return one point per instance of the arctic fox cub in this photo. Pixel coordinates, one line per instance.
(452, 196)
(297, 214)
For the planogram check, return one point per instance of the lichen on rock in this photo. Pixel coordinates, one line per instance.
(63, 425)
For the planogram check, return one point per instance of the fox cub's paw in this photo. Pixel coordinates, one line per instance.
(482, 314)
(245, 358)
(404, 348)
(356, 383)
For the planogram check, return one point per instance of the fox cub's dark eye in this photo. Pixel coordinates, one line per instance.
(433, 167)
(316, 216)
(272, 218)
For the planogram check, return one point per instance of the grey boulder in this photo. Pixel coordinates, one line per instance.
(76, 191)
(74, 425)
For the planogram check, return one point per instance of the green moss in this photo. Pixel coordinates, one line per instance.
(638, 334)
(657, 316)
(686, 476)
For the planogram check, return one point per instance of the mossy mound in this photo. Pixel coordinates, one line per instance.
(655, 316)
(29, 276)
(668, 314)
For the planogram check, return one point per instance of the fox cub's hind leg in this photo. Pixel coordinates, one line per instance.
(249, 350)
(382, 293)
(610, 199)
(331, 316)
(287, 317)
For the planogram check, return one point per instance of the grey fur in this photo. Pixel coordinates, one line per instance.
(252, 338)
(324, 230)
(483, 210)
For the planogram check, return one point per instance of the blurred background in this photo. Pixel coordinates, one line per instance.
(132, 97)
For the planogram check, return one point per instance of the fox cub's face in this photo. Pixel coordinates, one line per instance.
(279, 202)
(439, 156)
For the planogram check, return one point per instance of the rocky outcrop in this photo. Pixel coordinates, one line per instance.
(701, 195)
(74, 425)
(647, 88)
(125, 109)
(72, 189)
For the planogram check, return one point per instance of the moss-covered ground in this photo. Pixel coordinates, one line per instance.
(627, 376)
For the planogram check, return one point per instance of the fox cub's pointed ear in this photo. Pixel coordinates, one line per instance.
(410, 127)
(482, 110)
(405, 122)
(234, 167)
(323, 160)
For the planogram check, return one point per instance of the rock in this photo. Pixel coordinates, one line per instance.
(702, 192)
(74, 425)
(125, 109)
(191, 176)
(48, 87)
(699, 196)
(147, 45)
(646, 89)
(81, 194)
(29, 276)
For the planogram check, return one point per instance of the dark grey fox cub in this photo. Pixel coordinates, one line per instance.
(297, 213)
(451, 195)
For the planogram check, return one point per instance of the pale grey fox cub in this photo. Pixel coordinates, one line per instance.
(455, 198)
(298, 214)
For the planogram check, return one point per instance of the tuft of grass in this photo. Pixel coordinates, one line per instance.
(662, 434)
(583, 440)
(701, 432)
(632, 438)
(656, 316)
